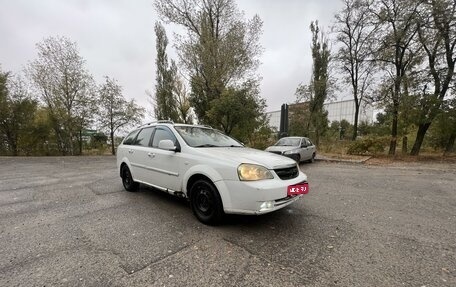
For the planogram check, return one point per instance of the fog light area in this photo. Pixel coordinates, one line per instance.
(267, 205)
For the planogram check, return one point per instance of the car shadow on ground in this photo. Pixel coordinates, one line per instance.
(166, 202)
(157, 194)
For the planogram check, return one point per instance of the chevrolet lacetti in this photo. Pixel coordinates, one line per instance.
(215, 172)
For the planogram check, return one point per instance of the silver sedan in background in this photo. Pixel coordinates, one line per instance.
(298, 148)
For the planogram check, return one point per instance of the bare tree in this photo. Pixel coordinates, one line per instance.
(115, 111)
(65, 86)
(355, 33)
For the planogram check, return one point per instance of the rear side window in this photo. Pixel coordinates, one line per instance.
(131, 138)
(162, 134)
(143, 138)
(309, 143)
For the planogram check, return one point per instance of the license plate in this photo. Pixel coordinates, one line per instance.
(297, 189)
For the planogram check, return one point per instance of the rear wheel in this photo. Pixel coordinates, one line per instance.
(312, 159)
(127, 180)
(206, 202)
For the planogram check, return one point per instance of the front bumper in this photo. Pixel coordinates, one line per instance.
(257, 197)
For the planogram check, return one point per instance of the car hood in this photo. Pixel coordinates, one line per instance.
(281, 148)
(239, 155)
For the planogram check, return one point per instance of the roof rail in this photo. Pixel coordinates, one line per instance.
(205, 126)
(157, 122)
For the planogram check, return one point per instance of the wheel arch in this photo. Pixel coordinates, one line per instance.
(201, 172)
(124, 163)
(192, 179)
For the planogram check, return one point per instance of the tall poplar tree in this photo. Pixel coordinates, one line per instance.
(164, 101)
(317, 92)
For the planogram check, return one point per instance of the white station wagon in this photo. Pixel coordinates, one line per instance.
(215, 172)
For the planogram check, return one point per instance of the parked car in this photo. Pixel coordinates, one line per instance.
(215, 172)
(298, 148)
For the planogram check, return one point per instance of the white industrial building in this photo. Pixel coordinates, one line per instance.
(337, 111)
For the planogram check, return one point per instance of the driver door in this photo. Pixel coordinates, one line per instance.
(164, 166)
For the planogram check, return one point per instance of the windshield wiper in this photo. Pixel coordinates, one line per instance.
(207, 145)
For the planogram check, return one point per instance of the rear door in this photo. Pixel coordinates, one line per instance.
(138, 154)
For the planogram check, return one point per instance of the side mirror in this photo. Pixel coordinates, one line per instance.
(167, 145)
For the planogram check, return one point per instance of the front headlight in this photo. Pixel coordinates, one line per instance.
(249, 172)
(291, 151)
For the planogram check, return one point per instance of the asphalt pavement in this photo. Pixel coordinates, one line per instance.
(66, 221)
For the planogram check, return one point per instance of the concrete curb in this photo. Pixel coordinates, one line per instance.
(327, 159)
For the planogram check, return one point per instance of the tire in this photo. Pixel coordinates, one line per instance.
(297, 158)
(206, 202)
(312, 159)
(127, 180)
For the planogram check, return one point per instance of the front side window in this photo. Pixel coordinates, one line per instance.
(143, 138)
(196, 136)
(162, 134)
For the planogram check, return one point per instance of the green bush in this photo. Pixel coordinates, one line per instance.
(368, 146)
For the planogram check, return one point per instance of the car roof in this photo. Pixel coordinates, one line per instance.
(293, 138)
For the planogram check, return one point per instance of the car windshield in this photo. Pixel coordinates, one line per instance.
(205, 137)
(288, 142)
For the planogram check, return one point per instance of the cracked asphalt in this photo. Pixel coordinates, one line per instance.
(66, 221)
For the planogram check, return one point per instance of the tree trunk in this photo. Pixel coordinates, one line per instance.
(395, 96)
(14, 148)
(355, 124)
(11, 139)
(422, 129)
(393, 142)
(60, 142)
(71, 142)
(404, 145)
(113, 150)
(80, 142)
(450, 145)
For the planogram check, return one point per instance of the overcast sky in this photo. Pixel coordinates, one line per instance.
(116, 38)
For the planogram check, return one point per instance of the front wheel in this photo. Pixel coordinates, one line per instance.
(296, 157)
(312, 159)
(206, 202)
(127, 180)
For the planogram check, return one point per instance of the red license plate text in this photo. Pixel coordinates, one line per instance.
(297, 189)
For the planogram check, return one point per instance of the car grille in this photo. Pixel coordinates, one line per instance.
(287, 173)
(276, 152)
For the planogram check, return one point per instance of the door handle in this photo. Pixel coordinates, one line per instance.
(130, 151)
(152, 155)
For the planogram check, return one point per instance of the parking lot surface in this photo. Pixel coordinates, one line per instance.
(66, 221)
